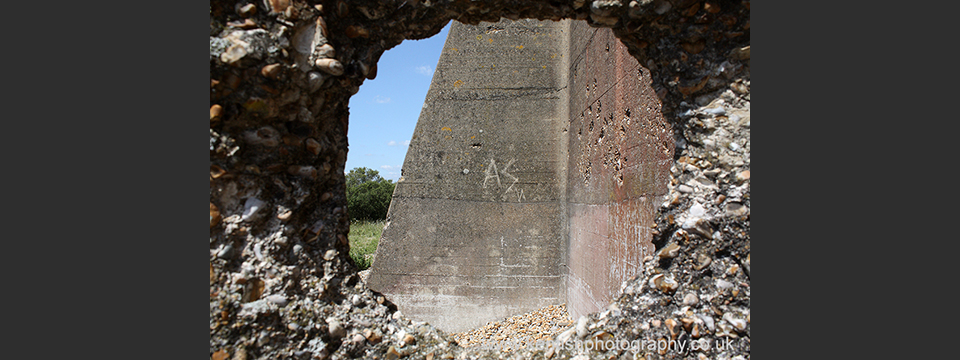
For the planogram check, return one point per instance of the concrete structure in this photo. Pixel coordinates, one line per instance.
(532, 177)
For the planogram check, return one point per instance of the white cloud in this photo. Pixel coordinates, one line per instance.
(381, 100)
(405, 143)
(390, 167)
(392, 143)
(425, 70)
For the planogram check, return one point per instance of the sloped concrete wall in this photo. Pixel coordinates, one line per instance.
(474, 229)
(531, 179)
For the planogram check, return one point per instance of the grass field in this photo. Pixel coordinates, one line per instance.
(364, 237)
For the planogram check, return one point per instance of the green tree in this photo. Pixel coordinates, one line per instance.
(368, 194)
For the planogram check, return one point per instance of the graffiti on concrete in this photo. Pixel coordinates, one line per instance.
(493, 173)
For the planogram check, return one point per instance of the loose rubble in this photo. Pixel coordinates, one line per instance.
(538, 326)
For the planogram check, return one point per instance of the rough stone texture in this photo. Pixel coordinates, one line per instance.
(275, 245)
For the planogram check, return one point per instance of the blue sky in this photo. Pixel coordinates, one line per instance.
(385, 111)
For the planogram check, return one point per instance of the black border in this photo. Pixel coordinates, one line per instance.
(106, 132)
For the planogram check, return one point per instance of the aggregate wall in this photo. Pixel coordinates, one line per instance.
(282, 72)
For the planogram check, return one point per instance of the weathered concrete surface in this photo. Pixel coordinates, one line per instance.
(620, 153)
(494, 216)
(474, 229)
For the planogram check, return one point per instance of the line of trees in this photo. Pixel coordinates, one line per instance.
(368, 194)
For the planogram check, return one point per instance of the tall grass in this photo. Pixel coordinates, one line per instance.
(364, 237)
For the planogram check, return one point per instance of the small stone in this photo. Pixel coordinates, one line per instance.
(697, 210)
(409, 339)
(220, 355)
(733, 269)
(357, 339)
(668, 285)
(684, 189)
(335, 329)
(582, 327)
(250, 208)
(216, 113)
(723, 284)
(740, 53)
(655, 323)
(330, 255)
(743, 176)
(662, 7)
(280, 300)
(248, 10)
(279, 6)
(702, 262)
(698, 226)
(372, 336)
(735, 209)
(216, 172)
(304, 171)
(326, 51)
(214, 215)
(245, 24)
(271, 71)
(293, 326)
(695, 331)
(226, 252)
(266, 136)
(315, 79)
(291, 13)
(330, 66)
(669, 251)
(711, 7)
(313, 146)
(392, 353)
(690, 299)
(241, 354)
(672, 326)
(715, 111)
(353, 31)
(233, 54)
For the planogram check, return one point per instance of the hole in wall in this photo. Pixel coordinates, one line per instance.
(483, 206)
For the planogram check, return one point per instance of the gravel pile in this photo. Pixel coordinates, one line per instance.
(519, 331)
